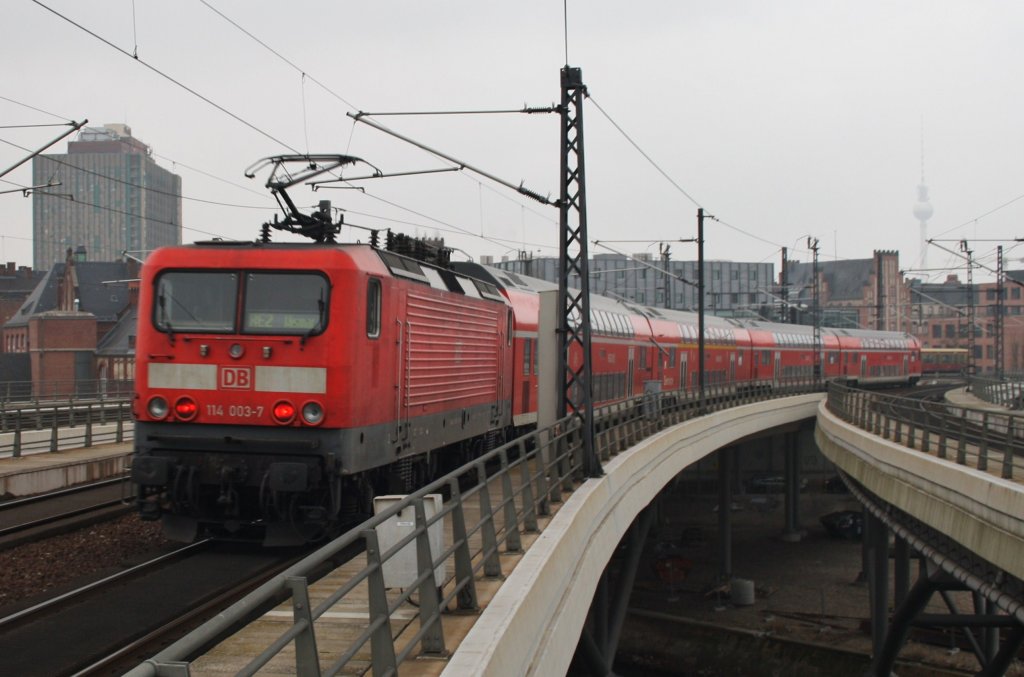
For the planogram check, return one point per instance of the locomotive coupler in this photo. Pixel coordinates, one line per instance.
(229, 477)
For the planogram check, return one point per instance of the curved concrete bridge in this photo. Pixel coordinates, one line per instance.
(533, 623)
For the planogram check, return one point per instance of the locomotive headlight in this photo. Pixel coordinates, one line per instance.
(186, 408)
(157, 407)
(312, 413)
(236, 350)
(284, 412)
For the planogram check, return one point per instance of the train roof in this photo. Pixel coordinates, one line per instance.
(364, 256)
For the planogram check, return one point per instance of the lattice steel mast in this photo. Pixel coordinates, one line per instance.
(812, 244)
(1000, 310)
(574, 381)
(971, 364)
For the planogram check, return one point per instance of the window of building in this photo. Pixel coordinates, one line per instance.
(936, 331)
(951, 331)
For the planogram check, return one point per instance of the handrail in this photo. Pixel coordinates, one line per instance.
(57, 390)
(63, 425)
(1006, 392)
(547, 463)
(969, 436)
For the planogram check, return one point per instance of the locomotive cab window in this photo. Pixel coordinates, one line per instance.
(195, 301)
(284, 303)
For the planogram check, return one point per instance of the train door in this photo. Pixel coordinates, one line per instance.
(504, 341)
(732, 368)
(631, 375)
(777, 373)
(906, 365)
(863, 365)
(683, 355)
(402, 343)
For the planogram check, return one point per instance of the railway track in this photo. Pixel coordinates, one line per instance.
(37, 517)
(924, 408)
(110, 625)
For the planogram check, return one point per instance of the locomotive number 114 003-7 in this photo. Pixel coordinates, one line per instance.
(234, 410)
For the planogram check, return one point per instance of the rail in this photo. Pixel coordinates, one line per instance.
(68, 424)
(989, 441)
(544, 464)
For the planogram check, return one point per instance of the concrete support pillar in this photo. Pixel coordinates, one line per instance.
(901, 571)
(792, 533)
(725, 463)
(876, 540)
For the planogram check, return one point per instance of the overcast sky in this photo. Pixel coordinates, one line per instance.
(783, 118)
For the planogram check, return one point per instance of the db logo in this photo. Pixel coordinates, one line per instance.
(234, 378)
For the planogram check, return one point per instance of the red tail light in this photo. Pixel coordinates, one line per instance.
(284, 412)
(186, 408)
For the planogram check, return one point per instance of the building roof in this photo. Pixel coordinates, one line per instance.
(845, 279)
(951, 293)
(102, 289)
(42, 298)
(121, 339)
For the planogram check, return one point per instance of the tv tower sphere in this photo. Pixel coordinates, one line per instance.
(923, 209)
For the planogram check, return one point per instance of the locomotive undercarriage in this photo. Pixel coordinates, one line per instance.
(286, 499)
(283, 487)
(278, 491)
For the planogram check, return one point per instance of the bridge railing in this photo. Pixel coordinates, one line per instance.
(64, 389)
(1006, 392)
(978, 438)
(67, 424)
(487, 503)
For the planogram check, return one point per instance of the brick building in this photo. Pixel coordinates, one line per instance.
(855, 293)
(78, 307)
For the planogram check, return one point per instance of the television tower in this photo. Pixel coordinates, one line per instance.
(923, 208)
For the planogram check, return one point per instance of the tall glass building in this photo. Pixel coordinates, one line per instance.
(112, 197)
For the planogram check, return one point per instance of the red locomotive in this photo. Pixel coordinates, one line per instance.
(280, 386)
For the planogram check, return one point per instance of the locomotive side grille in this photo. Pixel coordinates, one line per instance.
(452, 350)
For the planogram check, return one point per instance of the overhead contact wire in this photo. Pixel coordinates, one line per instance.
(169, 78)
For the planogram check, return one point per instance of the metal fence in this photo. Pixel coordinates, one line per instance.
(977, 438)
(52, 426)
(488, 502)
(1006, 392)
(62, 390)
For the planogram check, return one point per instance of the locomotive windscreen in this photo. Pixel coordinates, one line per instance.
(196, 301)
(284, 303)
(274, 302)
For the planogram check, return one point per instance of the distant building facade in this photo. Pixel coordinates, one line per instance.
(75, 333)
(855, 293)
(941, 318)
(112, 197)
(732, 289)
